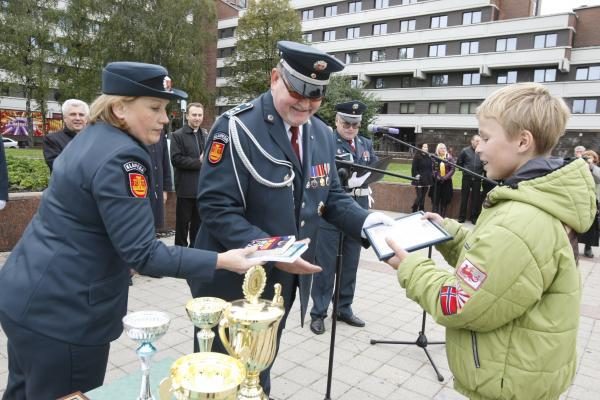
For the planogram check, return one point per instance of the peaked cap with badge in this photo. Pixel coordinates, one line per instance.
(126, 78)
(351, 111)
(307, 69)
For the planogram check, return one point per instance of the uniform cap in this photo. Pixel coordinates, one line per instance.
(351, 111)
(125, 78)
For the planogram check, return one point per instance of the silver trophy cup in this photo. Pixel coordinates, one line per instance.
(146, 327)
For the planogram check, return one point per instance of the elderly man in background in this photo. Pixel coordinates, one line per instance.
(75, 115)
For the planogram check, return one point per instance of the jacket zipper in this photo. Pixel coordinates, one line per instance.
(475, 351)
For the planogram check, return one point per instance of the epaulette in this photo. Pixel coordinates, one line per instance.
(238, 109)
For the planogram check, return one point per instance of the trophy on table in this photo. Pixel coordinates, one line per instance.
(248, 331)
(205, 313)
(146, 327)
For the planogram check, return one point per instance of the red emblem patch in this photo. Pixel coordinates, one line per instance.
(138, 185)
(470, 274)
(216, 152)
(452, 299)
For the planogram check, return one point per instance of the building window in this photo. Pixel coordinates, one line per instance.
(439, 80)
(437, 108)
(544, 75)
(468, 108)
(507, 77)
(408, 25)
(352, 58)
(354, 83)
(379, 83)
(472, 17)
(407, 2)
(406, 52)
(507, 44)
(307, 37)
(307, 15)
(469, 48)
(471, 79)
(382, 3)
(439, 22)
(542, 41)
(328, 36)
(407, 81)
(407, 108)
(352, 33)
(585, 106)
(378, 55)
(437, 50)
(354, 6)
(379, 29)
(588, 74)
(330, 11)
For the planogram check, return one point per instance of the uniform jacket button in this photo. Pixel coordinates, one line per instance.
(302, 224)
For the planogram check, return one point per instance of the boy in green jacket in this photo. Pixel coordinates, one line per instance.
(511, 305)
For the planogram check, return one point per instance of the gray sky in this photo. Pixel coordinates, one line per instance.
(556, 6)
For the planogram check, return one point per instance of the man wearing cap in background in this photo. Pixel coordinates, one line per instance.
(270, 171)
(359, 150)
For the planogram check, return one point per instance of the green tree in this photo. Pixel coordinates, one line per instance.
(27, 35)
(265, 23)
(174, 34)
(340, 90)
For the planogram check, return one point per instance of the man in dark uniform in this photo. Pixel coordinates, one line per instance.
(75, 114)
(270, 171)
(187, 152)
(3, 179)
(471, 185)
(351, 146)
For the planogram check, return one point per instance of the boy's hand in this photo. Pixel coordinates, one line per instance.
(400, 253)
(437, 218)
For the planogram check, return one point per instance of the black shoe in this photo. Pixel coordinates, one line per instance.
(461, 220)
(151, 276)
(130, 281)
(352, 320)
(588, 253)
(317, 326)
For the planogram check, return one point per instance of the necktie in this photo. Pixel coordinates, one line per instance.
(351, 143)
(294, 141)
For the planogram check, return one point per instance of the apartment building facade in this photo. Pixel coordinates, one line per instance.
(432, 62)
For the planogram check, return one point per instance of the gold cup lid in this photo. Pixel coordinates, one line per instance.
(206, 373)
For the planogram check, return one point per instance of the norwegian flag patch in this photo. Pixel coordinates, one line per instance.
(470, 274)
(452, 299)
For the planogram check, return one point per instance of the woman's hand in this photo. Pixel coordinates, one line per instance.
(236, 260)
(399, 253)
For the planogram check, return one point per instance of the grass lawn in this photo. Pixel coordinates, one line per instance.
(404, 169)
(35, 153)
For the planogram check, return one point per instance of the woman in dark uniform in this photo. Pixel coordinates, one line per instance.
(63, 290)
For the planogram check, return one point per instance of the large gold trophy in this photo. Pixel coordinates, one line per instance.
(248, 331)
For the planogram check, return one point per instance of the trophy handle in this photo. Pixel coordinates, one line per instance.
(224, 324)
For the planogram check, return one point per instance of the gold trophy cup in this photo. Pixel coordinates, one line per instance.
(252, 326)
(205, 313)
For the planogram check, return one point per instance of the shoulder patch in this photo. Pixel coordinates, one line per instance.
(453, 299)
(136, 179)
(238, 109)
(217, 147)
(471, 274)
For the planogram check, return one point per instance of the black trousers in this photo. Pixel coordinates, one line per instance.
(43, 368)
(471, 188)
(187, 222)
(419, 204)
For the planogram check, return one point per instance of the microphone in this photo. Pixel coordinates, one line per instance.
(382, 129)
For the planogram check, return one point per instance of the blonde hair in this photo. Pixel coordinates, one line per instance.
(531, 107)
(102, 110)
(593, 155)
(438, 147)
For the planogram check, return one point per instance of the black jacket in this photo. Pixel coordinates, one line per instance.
(422, 165)
(161, 179)
(3, 176)
(186, 147)
(470, 160)
(54, 143)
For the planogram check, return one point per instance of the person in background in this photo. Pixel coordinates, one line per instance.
(187, 153)
(442, 176)
(422, 169)
(161, 179)
(349, 145)
(592, 236)
(578, 151)
(75, 115)
(3, 179)
(270, 171)
(64, 286)
(511, 303)
(471, 186)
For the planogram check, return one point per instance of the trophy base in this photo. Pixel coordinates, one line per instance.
(252, 393)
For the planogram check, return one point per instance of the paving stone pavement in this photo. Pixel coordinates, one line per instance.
(361, 371)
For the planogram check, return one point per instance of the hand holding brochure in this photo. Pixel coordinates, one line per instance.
(277, 248)
(411, 232)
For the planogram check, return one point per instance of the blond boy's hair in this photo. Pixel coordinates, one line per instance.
(528, 106)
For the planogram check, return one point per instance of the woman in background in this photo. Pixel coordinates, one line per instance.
(442, 178)
(590, 238)
(422, 169)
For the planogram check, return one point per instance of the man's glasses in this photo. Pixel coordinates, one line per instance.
(347, 125)
(297, 95)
